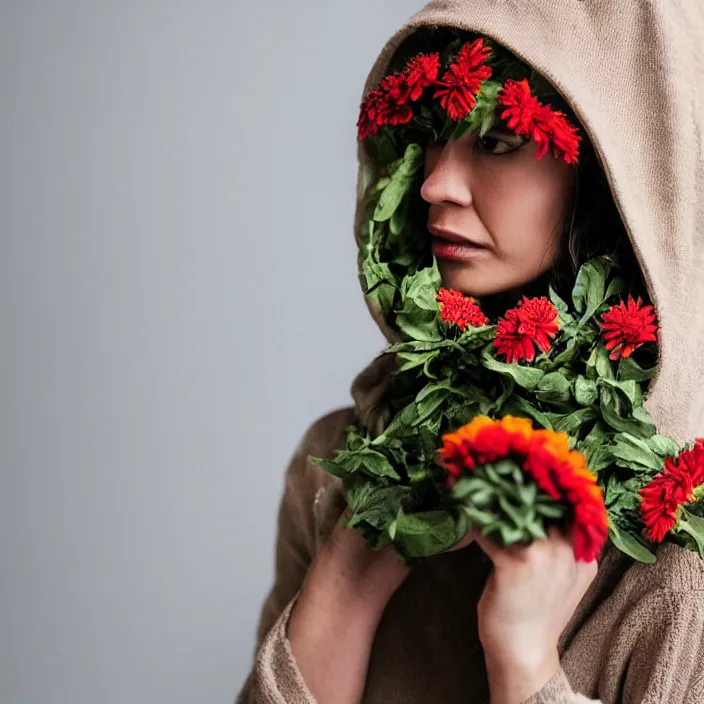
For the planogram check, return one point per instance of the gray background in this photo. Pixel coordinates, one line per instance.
(178, 300)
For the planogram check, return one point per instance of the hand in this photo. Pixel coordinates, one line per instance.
(333, 623)
(372, 575)
(526, 604)
(375, 574)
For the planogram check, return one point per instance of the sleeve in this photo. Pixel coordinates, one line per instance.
(558, 691)
(658, 651)
(275, 677)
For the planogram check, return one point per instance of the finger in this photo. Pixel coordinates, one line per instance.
(559, 537)
(587, 572)
(493, 549)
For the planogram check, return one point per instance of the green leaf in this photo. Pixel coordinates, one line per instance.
(512, 512)
(616, 414)
(391, 198)
(397, 222)
(585, 391)
(433, 396)
(563, 310)
(600, 458)
(553, 388)
(599, 363)
(375, 505)
(665, 447)
(400, 424)
(477, 517)
(526, 377)
(429, 389)
(468, 487)
(616, 287)
(473, 338)
(630, 545)
(375, 273)
(628, 390)
(596, 448)
(693, 526)
(400, 183)
(629, 369)
(536, 530)
(634, 451)
(423, 290)
(418, 327)
(382, 298)
(550, 508)
(528, 493)
(570, 422)
(642, 416)
(483, 114)
(416, 359)
(366, 460)
(520, 407)
(330, 467)
(424, 534)
(588, 292)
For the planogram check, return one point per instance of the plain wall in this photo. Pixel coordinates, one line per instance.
(179, 301)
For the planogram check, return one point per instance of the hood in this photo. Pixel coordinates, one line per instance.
(633, 73)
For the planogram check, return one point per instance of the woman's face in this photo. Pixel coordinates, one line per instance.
(496, 214)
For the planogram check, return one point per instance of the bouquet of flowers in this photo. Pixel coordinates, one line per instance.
(535, 418)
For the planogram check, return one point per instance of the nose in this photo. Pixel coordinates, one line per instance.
(447, 174)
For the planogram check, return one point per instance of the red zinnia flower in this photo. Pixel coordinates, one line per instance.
(381, 108)
(532, 322)
(544, 455)
(459, 309)
(667, 491)
(461, 82)
(394, 113)
(372, 114)
(420, 73)
(388, 104)
(627, 327)
(547, 127)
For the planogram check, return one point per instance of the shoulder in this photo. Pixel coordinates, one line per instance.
(314, 497)
(677, 570)
(641, 637)
(325, 435)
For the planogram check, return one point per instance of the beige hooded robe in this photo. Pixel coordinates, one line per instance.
(633, 71)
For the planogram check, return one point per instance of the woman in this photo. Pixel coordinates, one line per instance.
(479, 623)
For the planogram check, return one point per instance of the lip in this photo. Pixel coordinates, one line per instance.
(452, 236)
(460, 252)
(450, 245)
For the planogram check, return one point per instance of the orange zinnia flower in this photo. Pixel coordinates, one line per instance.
(460, 310)
(544, 455)
(625, 327)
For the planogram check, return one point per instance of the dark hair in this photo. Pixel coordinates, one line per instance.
(592, 225)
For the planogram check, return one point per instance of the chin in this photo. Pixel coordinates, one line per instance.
(479, 281)
(469, 280)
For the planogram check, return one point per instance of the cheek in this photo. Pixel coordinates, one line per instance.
(523, 206)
